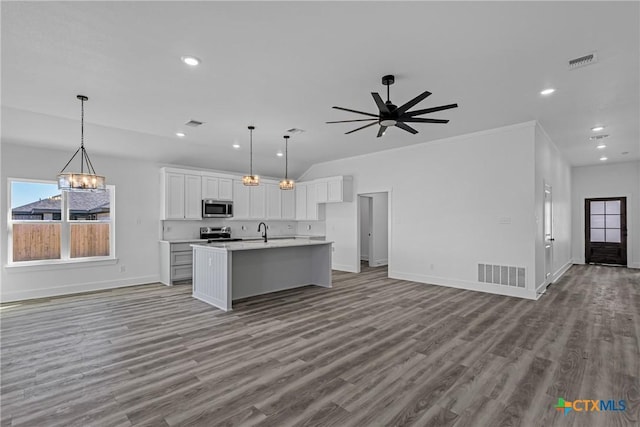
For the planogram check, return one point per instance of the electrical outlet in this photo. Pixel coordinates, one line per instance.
(123, 268)
(244, 228)
(289, 226)
(309, 227)
(167, 228)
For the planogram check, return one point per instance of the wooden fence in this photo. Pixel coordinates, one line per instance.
(42, 241)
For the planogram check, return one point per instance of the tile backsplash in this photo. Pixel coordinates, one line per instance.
(175, 230)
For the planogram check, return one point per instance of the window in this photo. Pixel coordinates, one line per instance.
(49, 226)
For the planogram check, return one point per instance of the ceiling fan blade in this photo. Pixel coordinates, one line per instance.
(365, 126)
(348, 121)
(356, 111)
(382, 130)
(407, 128)
(413, 102)
(380, 103)
(431, 110)
(421, 120)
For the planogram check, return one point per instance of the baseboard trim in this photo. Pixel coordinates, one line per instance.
(77, 288)
(343, 267)
(466, 285)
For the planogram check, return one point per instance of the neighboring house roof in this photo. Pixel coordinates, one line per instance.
(78, 202)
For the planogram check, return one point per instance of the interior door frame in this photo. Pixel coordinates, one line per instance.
(389, 192)
(623, 225)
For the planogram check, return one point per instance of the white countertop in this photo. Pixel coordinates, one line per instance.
(247, 239)
(248, 245)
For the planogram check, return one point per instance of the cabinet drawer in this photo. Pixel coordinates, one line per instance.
(181, 258)
(178, 247)
(180, 272)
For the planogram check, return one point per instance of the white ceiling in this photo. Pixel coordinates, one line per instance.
(279, 65)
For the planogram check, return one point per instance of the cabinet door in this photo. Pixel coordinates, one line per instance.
(301, 202)
(225, 189)
(193, 197)
(288, 203)
(174, 195)
(241, 197)
(274, 201)
(257, 205)
(321, 191)
(334, 190)
(312, 202)
(210, 187)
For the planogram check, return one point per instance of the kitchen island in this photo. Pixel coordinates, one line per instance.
(223, 272)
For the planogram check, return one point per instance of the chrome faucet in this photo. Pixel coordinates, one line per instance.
(264, 235)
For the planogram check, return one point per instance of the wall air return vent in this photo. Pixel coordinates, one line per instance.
(583, 61)
(501, 275)
(194, 123)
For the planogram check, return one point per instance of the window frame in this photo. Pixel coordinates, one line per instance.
(65, 230)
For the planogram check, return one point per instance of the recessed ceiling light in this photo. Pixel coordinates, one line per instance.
(190, 60)
(548, 91)
(597, 128)
(601, 146)
(279, 154)
(236, 146)
(603, 158)
(180, 134)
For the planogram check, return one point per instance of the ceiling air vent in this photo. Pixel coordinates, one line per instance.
(583, 61)
(295, 130)
(598, 137)
(193, 123)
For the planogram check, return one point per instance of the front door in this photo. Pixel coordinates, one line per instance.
(606, 230)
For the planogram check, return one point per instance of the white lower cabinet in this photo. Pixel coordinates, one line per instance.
(176, 262)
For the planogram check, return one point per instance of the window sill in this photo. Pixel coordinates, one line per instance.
(60, 264)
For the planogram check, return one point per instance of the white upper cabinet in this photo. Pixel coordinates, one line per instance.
(241, 200)
(217, 188)
(193, 197)
(274, 201)
(181, 195)
(288, 203)
(312, 201)
(225, 189)
(257, 205)
(210, 187)
(301, 201)
(322, 190)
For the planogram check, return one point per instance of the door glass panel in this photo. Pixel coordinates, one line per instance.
(613, 235)
(597, 221)
(597, 207)
(612, 207)
(597, 235)
(613, 221)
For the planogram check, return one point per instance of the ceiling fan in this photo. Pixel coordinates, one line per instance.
(392, 115)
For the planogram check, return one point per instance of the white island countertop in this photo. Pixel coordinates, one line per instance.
(247, 245)
(227, 271)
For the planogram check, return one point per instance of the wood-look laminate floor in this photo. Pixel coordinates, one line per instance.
(372, 351)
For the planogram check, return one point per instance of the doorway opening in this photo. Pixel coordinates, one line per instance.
(605, 231)
(373, 232)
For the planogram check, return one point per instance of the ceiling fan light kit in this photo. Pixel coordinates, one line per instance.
(391, 115)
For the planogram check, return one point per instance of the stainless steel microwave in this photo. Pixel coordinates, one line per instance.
(216, 209)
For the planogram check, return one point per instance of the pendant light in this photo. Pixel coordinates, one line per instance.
(251, 179)
(84, 180)
(286, 183)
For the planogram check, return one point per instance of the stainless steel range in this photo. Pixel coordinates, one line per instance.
(217, 234)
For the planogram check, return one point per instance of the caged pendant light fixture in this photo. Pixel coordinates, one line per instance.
(251, 179)
(86, 179)
(286, 183)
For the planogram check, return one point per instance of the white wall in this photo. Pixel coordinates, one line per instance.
(365, 226)
(454, 203)
(607, 180)
(137, 226)
(553, 170)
